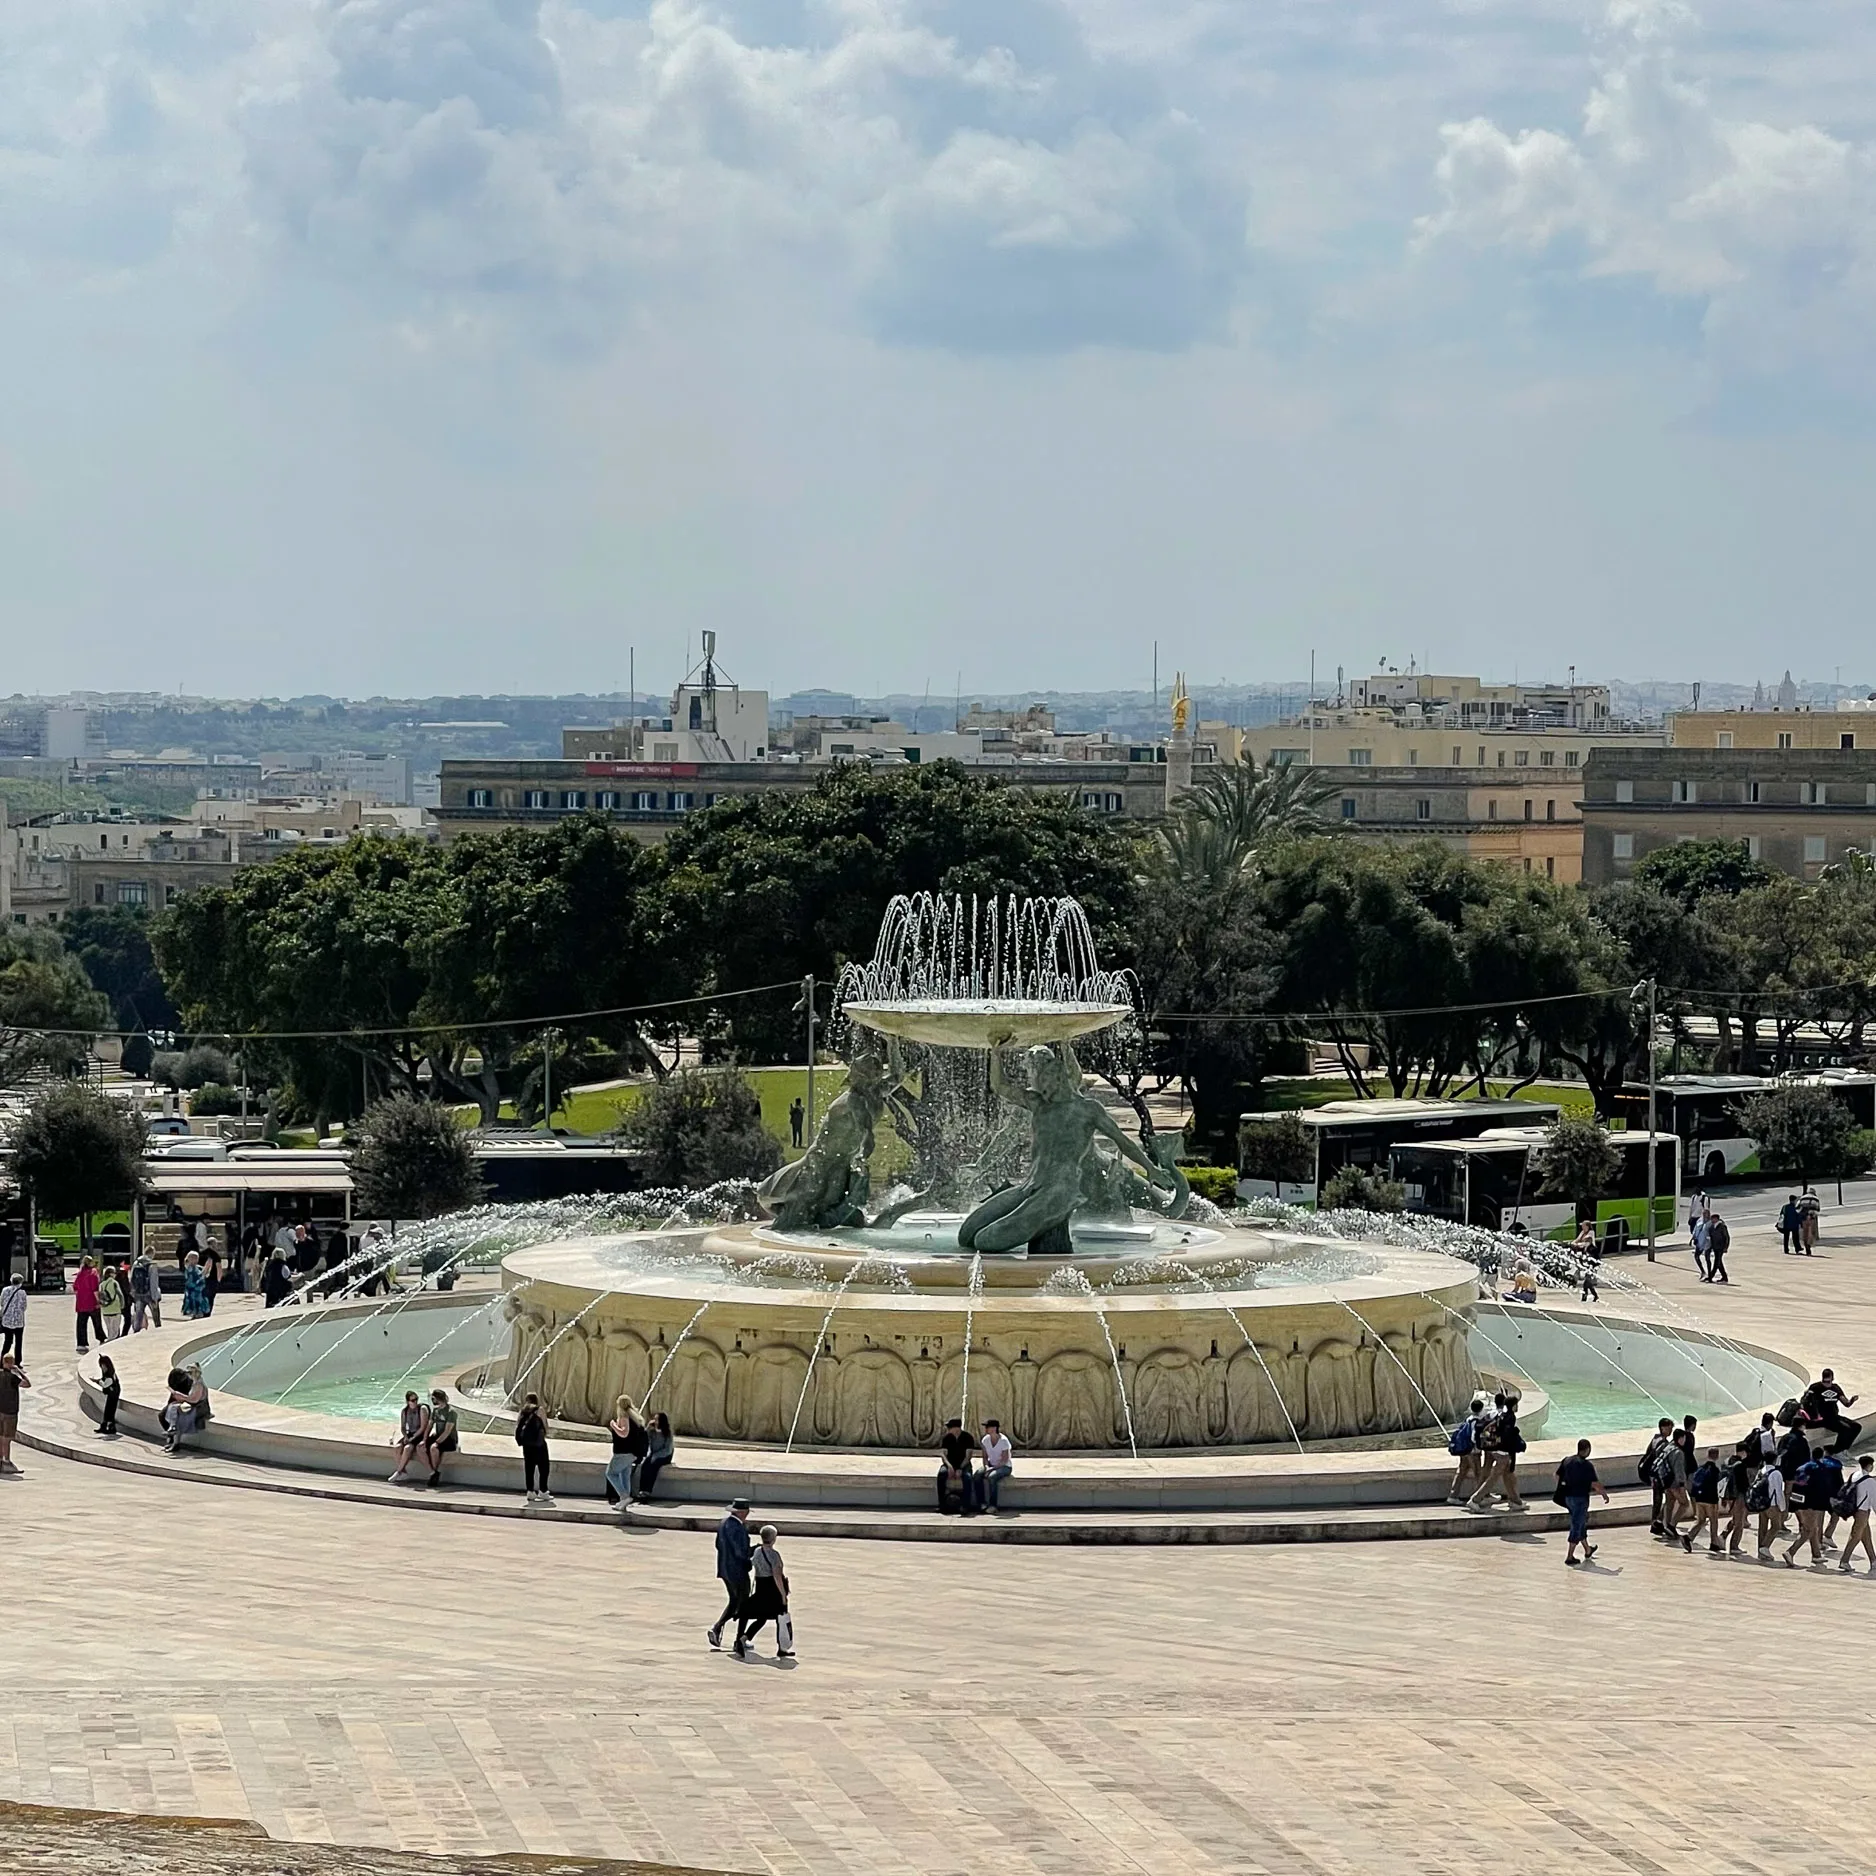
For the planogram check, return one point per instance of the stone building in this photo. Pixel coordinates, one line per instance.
(1797, 809)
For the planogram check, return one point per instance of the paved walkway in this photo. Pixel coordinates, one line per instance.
(346, 1673)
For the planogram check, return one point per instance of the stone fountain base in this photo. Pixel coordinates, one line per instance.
(750, 1335)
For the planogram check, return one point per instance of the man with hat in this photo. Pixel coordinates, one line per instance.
(733, 1573)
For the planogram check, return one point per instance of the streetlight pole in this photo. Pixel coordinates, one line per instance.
(1646, 991)
(807, 1003)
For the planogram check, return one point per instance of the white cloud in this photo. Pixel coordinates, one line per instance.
(1770, 230)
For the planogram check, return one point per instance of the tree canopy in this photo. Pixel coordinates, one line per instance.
(410, 1159)
(76, 1151)
(49, 1012)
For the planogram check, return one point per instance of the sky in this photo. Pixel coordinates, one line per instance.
(418, 346)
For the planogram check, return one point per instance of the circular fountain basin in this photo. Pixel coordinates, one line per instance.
(1226, 1339)
(985, 1023)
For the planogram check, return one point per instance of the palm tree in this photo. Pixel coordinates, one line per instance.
(1235, 809)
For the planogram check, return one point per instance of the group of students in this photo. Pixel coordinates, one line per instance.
(1769, 1475)
(971, 1471)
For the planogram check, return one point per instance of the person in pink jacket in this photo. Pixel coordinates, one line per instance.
(85, 1301)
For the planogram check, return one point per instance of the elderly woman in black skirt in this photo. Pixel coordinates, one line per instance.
(770, 1600)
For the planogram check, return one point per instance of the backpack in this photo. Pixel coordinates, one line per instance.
(140, 1279)
(1461, 1442)
(1759, 1495)
(1787, 1415)
(1662, 1471)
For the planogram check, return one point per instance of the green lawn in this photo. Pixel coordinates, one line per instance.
(597, 1110)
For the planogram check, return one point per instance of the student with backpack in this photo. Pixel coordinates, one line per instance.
(1503, 1443)
(1735, 1484)
(1812, 1491)
(1672, 1470)
(1766, 1496)
(1703, 1492)
(1860, 1495)
(1466, 1444)
(1649, 1469)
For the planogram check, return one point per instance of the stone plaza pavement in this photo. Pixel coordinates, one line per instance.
(356, 1674)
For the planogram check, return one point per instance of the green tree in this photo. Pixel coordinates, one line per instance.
(411, 1159)
(112, 945)
(76, 1152)
(1361, 1189)
(1693, 870)
(1279, 1150)
(1804, 1132)
(699, 1126)
(1578, 1162)
(769, 887)
(1236, 809)
(49, 1013)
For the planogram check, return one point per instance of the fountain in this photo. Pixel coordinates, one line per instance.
(846, 1320)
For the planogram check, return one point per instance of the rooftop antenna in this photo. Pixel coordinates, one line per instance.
(1156, 680)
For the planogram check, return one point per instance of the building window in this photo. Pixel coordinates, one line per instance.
(1501, 758)
(1528, 805)
(1686, 791)
(1869, 794)
(1550, 810)
(606, 800)
(481, 797)
(535, 798)
(1361, 758)
(1458, 756)
(1752, 846)
(573, 797)
(1423, 809)
(1625, 791)
(1749, 793)
(1723, 739)
(1491, 809)
(1547, 758)
(1527, 862)
(1522, 759)
(1846, 739)
(1813, 849)
(1784, 739)
(1413, 758)
(1481, 761)
(1570, 758)
(681, 801)
(1816, 794)
(644, 803)
(132, 892)
(664, 752)
(97, 893)
(1550, 866)
(1624, 847)
(1348, 807)
(1282, 758)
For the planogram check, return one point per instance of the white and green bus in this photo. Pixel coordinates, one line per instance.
(1495, 1182)
(1702, 1111)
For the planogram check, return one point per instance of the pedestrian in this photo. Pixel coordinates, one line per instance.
(1811, 1496)
(1767, 1498)
(13, 1316)
(1467, 1445)
(194, 1286)
(797, 1116)
(1764, 1440)
(1861, 1492)
(85, 1301)
(955, 1447)
(999, 1463)
(769, 1599)
(1588, 1249)
(187, 1409)
(123, 1300)
(12, 1379)
(110, 1296)
(732, 1573)
(413, 1430)
(276, 1281)
(1703, 1492)
(629, 1447)
(1503, 1443)
(211, 1276)
(440, 1441)
(1824, 1401)
(1809, 1208)
(1652, 1474)
(1673, 1470)
(1788, 1225)
(112, 1391)
(1735, 1485)
(146, 1293)
(531, 1437)
(1576, 1479)
(1702, 1230)
(660, 1447)
(1719, 1239)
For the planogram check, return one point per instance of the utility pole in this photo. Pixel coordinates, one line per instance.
(548, 1039)
(806, 1005)
(1644, 993)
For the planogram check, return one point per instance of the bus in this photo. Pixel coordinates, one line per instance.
(1494, 1182)
(1363, 1133)
(1702, 1111)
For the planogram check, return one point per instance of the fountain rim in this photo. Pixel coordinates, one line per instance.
(984, 1023)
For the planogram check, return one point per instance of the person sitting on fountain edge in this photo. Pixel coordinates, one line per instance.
(955, 1475)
